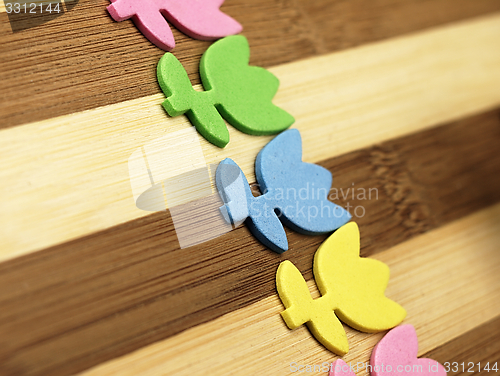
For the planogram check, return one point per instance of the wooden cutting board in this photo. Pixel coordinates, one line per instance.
(400, 100)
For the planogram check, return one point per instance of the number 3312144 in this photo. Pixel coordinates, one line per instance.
(470, 367)
(32, 8)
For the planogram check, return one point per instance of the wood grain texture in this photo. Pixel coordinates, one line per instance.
(52, 61)
(479, 345)
(447, 280)
(112, 292)
(122, 282)
(71, 173)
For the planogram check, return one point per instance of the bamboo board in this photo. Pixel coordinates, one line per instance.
(398, 96)
(455, 268)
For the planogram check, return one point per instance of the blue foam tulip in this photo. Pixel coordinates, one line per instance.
(294, 193)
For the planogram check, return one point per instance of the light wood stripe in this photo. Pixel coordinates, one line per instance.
(447, 280)
(71, 177)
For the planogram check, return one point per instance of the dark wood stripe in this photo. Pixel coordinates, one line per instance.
(75, 305)
(83, 59)
(472, 351)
